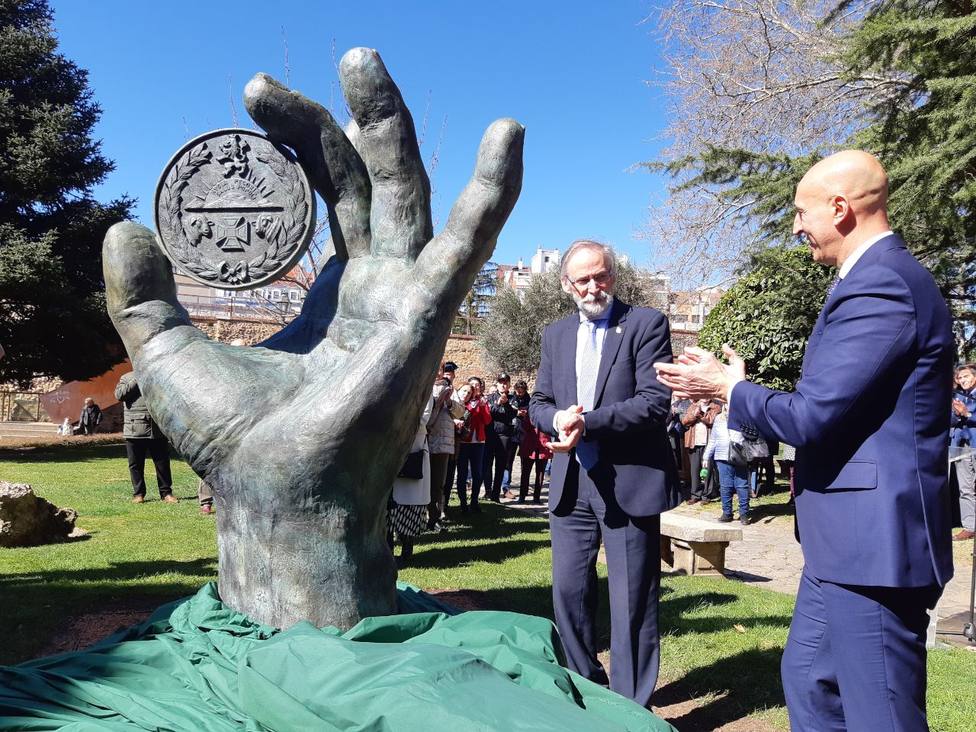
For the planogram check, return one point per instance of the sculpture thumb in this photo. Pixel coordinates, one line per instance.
(139, 286)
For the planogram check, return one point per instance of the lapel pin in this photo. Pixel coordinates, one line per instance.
(620, 329)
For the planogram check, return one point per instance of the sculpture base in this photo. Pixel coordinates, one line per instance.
(211, 668)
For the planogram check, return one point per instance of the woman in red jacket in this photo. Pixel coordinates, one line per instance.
(477, 416)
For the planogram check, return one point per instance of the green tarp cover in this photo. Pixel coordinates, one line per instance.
(197, 665)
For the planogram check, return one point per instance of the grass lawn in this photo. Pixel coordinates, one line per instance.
(721, 640)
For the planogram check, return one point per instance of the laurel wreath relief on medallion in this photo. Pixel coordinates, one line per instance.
(282, 233)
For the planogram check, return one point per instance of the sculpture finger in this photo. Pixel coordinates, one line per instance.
(199, 392)
(139, 286)
(400, 214)
(458, 252)
(335, 168)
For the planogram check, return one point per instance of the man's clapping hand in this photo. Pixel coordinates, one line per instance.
(569, 425)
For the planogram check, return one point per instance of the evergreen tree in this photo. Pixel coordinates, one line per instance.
(52, 305)
(478, 302)
(769, 313)
(925, 132)
(911, 66)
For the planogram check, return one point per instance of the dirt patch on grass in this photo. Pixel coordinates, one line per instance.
(463, 599)
(693, 715)
(82, 631)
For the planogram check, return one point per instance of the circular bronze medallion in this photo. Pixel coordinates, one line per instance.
(234, 210)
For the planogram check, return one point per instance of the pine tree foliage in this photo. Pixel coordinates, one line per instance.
(903, 72)
(52, 310)
(478, 302)
(769, 313)
(926, 135)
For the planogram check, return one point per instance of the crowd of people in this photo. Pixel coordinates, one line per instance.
(962, 434)
(715, 461)
(472, 440)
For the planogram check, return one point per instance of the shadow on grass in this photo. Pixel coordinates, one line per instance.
(446, 557)
(120, 572)
(69, 452)
(481, 537)
(64, 453)
(736, 686)
(44, 603)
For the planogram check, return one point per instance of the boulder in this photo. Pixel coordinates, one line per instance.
(29, 520)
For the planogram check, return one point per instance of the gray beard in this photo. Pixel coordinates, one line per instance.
(592, 309)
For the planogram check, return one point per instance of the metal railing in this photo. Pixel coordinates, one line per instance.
(240, 308)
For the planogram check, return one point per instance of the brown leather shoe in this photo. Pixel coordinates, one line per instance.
(171, 499)
(692, 501)
(964, 535)
(138, 499)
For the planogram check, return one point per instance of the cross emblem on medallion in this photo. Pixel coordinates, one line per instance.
(233, 233)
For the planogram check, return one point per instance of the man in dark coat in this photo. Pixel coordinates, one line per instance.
(613, 473)
(499, 437)
(91, 417)
(143, 437)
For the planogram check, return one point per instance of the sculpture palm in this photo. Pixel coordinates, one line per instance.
(302, 437)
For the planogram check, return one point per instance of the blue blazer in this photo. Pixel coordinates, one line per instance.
(629, 419)
(870, 424)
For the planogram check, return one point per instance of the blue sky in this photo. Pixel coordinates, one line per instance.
(574, 73)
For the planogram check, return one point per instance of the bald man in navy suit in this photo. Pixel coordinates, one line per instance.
(613, 473)
(869, 419)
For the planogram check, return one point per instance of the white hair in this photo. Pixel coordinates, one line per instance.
(609, 258)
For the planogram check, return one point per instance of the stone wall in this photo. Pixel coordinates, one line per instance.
(465, 351)
(225, 331)
(64, 400)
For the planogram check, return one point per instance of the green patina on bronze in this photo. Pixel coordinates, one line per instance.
(301, 436)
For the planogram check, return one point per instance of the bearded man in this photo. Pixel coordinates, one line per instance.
(613, 473)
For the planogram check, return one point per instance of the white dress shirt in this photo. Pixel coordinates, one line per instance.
(851, 260)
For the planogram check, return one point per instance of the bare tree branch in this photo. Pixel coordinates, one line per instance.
(759, 75)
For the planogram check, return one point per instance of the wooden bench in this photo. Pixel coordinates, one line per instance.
(693, 545)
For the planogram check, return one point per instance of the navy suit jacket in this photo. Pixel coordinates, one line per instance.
(628, 421)
(870, 424)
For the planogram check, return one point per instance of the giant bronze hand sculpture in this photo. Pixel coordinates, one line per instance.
(302, 436)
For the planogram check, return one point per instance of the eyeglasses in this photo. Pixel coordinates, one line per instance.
(601, 279)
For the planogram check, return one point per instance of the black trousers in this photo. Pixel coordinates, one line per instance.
(158, 449)
(540, 474)
(496, 462)
(698, 489)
